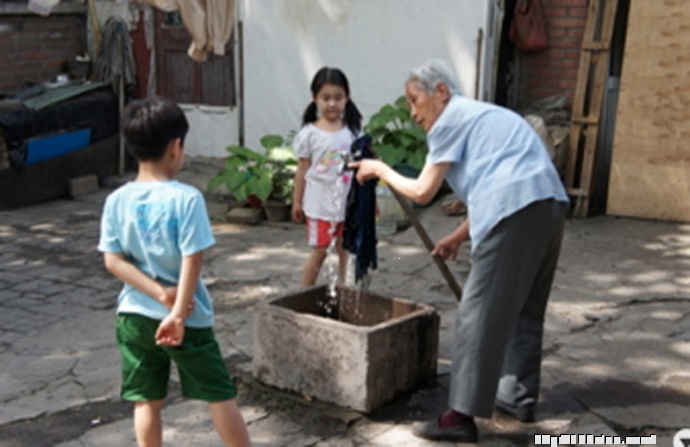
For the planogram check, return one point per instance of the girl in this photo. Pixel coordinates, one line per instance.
(329, 125)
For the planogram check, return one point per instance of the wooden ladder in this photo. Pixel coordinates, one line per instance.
(587, 104)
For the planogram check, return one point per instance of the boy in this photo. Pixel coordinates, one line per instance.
(153, 233)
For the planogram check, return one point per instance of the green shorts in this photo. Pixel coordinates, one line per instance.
(146, 366)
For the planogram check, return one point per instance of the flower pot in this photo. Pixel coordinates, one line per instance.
(277, 211)
(254, 201)
(244, 215)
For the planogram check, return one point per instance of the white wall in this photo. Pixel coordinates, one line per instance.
(211, 129)
(375, 42)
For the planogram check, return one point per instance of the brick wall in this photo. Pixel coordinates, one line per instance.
(32, 47)
(554, 71)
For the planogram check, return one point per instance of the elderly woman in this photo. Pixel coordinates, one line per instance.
(499, 167)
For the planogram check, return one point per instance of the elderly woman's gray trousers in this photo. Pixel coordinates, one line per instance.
(500, 319)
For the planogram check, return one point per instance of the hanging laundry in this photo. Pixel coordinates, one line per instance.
(42, 7)
(209, 22)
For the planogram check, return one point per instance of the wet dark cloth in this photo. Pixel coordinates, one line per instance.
(360, 215)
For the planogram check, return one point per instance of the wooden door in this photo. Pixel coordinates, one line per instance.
(182, 79)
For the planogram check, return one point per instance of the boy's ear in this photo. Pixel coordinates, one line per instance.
(174, 147)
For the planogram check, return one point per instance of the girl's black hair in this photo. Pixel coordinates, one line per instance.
(333, 76)
(149, 125)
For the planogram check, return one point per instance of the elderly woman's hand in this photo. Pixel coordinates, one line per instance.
(447, 247)
(367, 169)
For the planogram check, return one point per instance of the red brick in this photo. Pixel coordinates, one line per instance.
(7, 46)
(566, 22)
(53, 65)
(577, 12)
(557, 32)
(556, 53)
(576, 34)
(563, 63)
(554, 12)
(581, 3)
(557, 73)
(564, 42)
(28, 45)
(36, 55)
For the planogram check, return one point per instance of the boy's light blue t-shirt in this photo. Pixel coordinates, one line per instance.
(499, 164)
(155, 224)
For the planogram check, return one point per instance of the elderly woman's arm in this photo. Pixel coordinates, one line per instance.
(421, 190)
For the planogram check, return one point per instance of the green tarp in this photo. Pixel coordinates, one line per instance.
(56, 94)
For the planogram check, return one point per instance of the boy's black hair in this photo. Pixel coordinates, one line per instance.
(333, 76)
(149, 125)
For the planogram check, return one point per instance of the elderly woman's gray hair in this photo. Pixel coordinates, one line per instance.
(432, 73)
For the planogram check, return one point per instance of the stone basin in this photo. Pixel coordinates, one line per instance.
(356, 350)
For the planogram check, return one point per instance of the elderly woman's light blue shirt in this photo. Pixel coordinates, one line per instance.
(499, 164)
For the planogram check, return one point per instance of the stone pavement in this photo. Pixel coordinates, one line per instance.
(617, 344)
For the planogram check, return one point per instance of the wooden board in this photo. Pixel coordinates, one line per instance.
(650, 171)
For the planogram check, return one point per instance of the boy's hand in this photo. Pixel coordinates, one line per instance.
(170, 331)
(168, 296)
(168, 299)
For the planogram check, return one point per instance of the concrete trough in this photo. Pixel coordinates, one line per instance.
(357, 350)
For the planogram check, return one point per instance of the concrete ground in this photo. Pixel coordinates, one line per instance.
(617, 345)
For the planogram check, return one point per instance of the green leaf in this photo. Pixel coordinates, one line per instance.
(401, 104)
(233, 163)
(391, 155)
(416, 132)
(235, 179)
(260, 185)
(271, 141)
(378, 121)
(237, 191)
(240, 194)
(215, 182)
(407, 141)
(416, 158)
(246, 153)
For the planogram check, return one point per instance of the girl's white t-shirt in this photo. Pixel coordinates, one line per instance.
(326, 187)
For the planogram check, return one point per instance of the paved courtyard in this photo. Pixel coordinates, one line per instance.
(617, 346)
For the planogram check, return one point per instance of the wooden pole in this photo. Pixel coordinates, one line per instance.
(440, 263)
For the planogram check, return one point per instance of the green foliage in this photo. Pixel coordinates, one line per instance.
(283, 164)
(397, 138)
(248, 172)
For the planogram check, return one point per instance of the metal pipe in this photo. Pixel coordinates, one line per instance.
(240, 56)
(478, 63)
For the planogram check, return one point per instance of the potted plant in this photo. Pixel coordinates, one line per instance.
(257, 179)
(282, 163)
(397, 139)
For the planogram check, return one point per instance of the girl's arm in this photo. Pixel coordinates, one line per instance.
(300, 183)
(421, 189)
